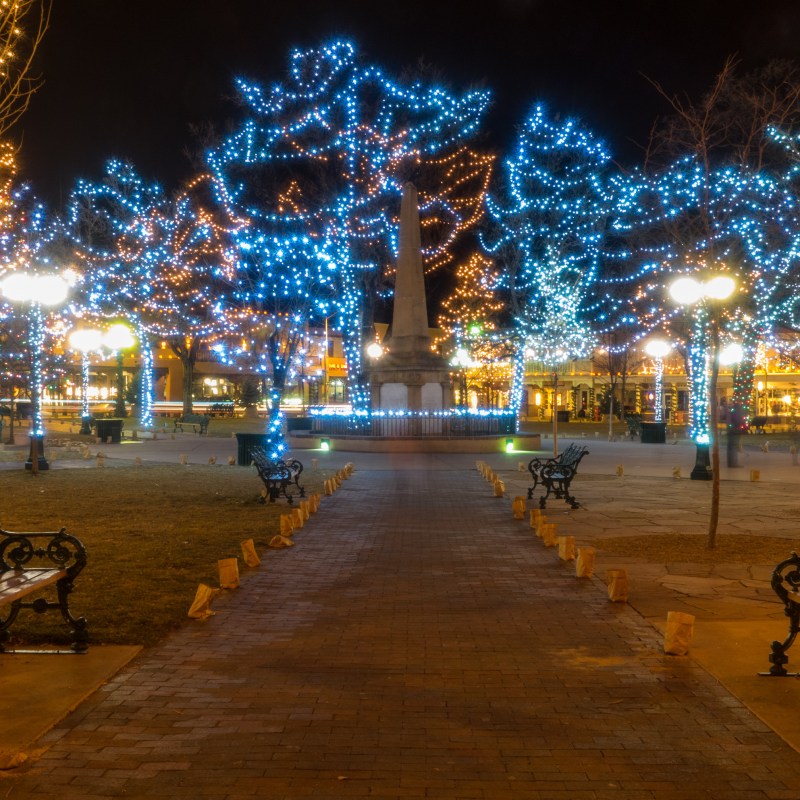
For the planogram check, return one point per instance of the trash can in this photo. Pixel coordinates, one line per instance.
(109, 429)
(654, 432)
(562, 416)
(245, 442)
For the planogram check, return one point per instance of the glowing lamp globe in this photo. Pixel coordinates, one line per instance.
(46, 290)
(732, 354)
(119, 337)
(375, 350)
(657, 348)
(720, 287)
(86, 340)
(686, 291)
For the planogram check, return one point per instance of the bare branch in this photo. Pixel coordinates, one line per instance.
(22, 27)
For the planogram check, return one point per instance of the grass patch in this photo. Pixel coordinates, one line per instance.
(152, 534)
(667, 548)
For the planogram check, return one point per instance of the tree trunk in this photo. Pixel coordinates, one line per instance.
(188, 380)
(276, 439)
(186, 349)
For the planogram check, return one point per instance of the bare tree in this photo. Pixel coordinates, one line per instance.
(730, 123)
(22, 27)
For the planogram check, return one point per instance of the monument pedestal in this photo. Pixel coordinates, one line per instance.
(410, 388)
(410, 377)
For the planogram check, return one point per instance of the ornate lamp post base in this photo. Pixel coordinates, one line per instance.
(86, 427)
(36, 460)
(702, 464)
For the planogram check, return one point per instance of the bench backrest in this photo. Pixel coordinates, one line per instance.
(57, 549)
(290, 469)
(573, 454)
(785, 579)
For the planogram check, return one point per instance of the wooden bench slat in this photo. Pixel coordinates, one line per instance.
(14, 585)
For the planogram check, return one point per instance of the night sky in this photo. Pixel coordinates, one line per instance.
(128, 79)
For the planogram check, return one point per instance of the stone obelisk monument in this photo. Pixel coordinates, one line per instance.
(410, 376)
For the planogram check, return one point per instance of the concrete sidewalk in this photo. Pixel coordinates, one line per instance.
(419, 642)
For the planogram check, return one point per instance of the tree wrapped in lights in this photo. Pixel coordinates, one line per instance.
(470, 314)
(475, 299)
(275, 288)
(685, 220)
(325, 155)
(32, 272)
(190, 259)
(732, 125)
(111, 223)
(549, 217)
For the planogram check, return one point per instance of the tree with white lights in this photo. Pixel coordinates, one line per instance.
(190, 255)
(549, 217)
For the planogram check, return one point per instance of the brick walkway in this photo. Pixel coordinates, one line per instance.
(416, 642)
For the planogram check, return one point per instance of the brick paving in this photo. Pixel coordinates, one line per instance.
(416, 642)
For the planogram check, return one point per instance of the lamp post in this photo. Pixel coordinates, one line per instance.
(658, 348)
(119, 337)
(705, 297)
(732, 356)
(35, 290)
(85, 341)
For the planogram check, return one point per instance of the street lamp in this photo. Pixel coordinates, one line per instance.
(704, 297)
(462, 361)
(375, 350)
(119, 337)
(35, 290)
(85, 341)
(658, 348)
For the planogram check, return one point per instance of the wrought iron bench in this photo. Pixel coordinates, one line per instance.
(195, 420)
(556, 474)
(278, 476)
(785, 583)
(32, 562)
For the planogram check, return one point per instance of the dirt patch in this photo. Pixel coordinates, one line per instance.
(731, 548)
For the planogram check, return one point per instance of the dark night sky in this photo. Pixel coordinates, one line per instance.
(127, 78)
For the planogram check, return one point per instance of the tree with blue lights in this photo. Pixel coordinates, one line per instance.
(730, 127)
(685, 220)
(548, 221)
(30, 244)
(110, 223)
(275, 287)
(324, 156)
